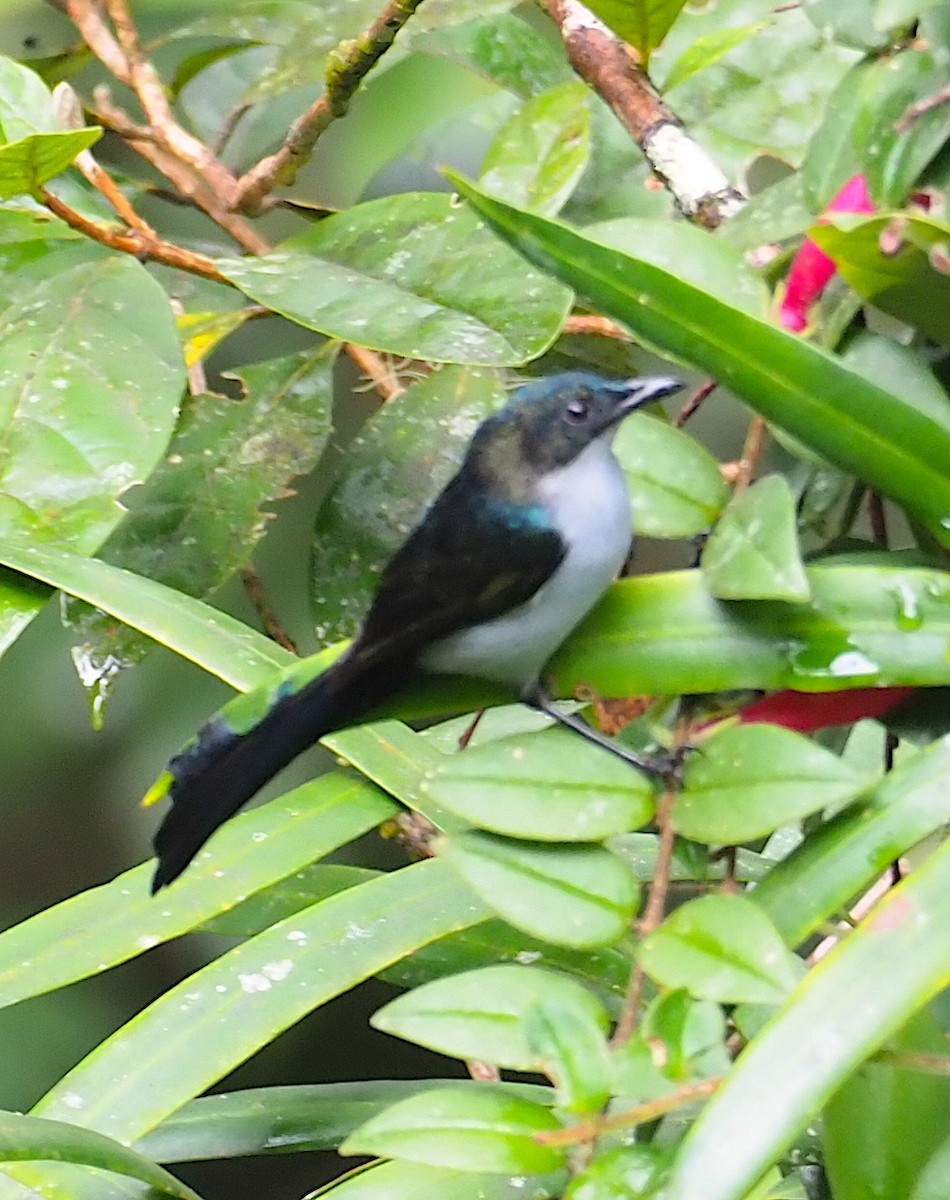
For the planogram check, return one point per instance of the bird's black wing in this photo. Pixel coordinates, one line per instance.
(467, 562)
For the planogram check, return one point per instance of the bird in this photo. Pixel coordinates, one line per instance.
(506, 562)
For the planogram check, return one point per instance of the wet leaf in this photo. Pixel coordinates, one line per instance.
(749, 780)
(721, 948)
(414, 275)
(753, 552)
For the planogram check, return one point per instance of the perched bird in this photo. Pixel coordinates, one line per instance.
(506, 562)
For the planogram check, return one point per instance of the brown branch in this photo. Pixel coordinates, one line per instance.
(652, 1110)
(748, 465)
(695, 402)
(376, 370)
(265, 612)
(145, 142)
(652, 914)
(701, 191)
(351, 63)
(135, 242)
(594, 323)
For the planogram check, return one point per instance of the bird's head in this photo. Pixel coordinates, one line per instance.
(547, 424)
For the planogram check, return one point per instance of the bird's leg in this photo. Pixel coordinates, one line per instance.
(661, 766)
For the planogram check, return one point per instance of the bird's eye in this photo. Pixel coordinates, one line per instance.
(577, 410)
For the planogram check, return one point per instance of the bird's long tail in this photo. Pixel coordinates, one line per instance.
(222, 769)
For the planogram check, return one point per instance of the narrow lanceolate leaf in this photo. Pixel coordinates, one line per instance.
(543, 786)
(839, 860)
(207, 636)
(856, 997)
(482, 1014)
(838, 414)
(413, 275)
(281, 1120)
(664, 634)
(721, 948)
(408, 1181)
(753, 552)
(27, 164)
(567, 894)
(104, 926)
(748, 780)
(33, 1139)
(676, 486)
(491, 1129)
(215, 1019)
(540, 154)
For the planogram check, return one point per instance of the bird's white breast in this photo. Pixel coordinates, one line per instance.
(590, 507)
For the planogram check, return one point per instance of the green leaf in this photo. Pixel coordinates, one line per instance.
(665, 634)
(901, 370)
(27, 164)
(622, 1173)
(502, 47)
(482, 1014)
(675, 483)
(488, 1130)
(908, 281)
(540, 154)
(413, 275)
(394, 468)
(689, 253)
(281, 1120)
(832, 157)
(807, 391)
(706, 50)
(90, 377)
(753, 553)
(573, 1053)
(848, 22)
(26, 1139)
(844, 856)
(749, 780)
(892, 156)
(570, 895)
(242, 1000)
(108, 925)
(207, 636)
(721, 948)
(547, 786)
(856, 997)
(197, 518)
(887, 1120)
(642, 23)
(411, 1181)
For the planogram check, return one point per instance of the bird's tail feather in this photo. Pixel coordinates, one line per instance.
(223, 769)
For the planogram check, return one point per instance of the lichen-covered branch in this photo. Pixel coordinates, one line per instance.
(349, 65)
(701, 190)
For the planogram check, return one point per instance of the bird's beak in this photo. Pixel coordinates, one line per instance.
(635, 393)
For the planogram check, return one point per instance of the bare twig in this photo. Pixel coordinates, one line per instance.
(265, 612)
(352, 62)
(135, 242)
(700, 189)
(695, 401)
(594, 323)
(920, 107)
(748, 465)
(652, 914)
(588, 1131)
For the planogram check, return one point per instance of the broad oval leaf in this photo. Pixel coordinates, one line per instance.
(550, 786)
(570, 895)
(676, 486)
(753, 553)
(751, 779)
(721, 948)
(540, 154)
(414, 275)
(482, 1014)
(491, 1129)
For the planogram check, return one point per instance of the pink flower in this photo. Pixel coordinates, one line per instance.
(812, 268)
